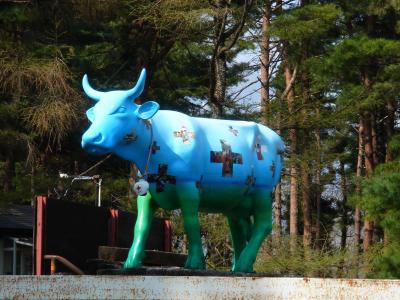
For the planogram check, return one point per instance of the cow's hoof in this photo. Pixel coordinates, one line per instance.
(129, 264)
(243, 269)
(243, 266)
(194, 262)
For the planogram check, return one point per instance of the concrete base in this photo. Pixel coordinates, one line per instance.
(193, 287)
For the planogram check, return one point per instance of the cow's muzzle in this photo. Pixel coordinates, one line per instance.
(93, 143)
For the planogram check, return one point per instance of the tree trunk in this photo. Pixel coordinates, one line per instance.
(293, 202)
(227, 31)
(265, 64)
(343, 225)
(368, 233)
(359, 174)
(389, 128)
(374, 140)
(343, 217)
(306, 138)
(217, 98)
(357, 211)
(293, 185)
(265, 52)
(369, 167)
(265, 98)
(305, 188)
(277, 210)
(218, 63)
(318, 191)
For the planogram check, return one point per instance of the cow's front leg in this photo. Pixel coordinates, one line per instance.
(189, 202)
(145, 213)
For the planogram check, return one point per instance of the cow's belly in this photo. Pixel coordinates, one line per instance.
(226, 199)
(166, 199)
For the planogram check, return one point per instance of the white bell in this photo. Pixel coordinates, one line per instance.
(141, 187)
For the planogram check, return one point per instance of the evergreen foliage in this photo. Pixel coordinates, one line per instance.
(344, 61)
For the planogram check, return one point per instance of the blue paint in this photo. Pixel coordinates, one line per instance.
(195, 163)
(185, 143)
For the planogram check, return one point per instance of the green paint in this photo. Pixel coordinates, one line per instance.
(249, 214)
(146, 210)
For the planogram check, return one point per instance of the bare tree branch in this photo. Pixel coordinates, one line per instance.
(238, 27)
(243, 88)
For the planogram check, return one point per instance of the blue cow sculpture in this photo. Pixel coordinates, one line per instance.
(192, 164)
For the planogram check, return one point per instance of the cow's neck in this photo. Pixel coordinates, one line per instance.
(138, 151)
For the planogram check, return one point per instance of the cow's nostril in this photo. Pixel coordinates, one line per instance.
(89, 138)
(97, 138)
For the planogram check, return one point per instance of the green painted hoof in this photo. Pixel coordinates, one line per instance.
(130, 265)
(243, 269)
(244, 265)
(195, 262)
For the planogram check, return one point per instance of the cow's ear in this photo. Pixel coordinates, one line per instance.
(147, 110)
(90, 114)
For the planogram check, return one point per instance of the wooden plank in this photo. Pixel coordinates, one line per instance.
(167, 235)
(113, 227)
(39, 231)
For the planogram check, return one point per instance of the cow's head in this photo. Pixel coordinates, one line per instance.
(116, 119)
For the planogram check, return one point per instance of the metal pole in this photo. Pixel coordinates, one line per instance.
(97, 180)
(14, 257)
(1, 256)
(99, 193)
(22, 261)
(52, 266)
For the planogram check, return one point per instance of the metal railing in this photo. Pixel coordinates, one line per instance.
(64, 261)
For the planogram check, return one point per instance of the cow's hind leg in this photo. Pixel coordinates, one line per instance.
(189, 202)
(146, 209)
(240, 233)
(261, 228)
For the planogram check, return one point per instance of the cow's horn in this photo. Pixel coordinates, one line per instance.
(91, 92)
(138, 88)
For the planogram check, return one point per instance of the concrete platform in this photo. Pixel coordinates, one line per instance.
(193, 287)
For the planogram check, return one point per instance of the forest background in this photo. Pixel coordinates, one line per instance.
(326, 77)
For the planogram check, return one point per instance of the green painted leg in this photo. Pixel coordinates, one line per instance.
(189, 202)
(247, 227)
(239, 228)
(142, 228)
(261, 228)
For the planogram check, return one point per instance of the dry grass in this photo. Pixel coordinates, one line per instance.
(174, 16)
(55, 104)
(276, 257)
(52, 118)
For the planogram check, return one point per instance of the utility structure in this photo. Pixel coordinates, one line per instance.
(96, 179)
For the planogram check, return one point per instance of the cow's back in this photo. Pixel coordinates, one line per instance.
(216, 151)
(177, 146)
(227, 150)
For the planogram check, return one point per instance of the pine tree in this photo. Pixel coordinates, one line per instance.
(300, 31)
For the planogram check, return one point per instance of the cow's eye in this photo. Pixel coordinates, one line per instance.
(120, 110)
